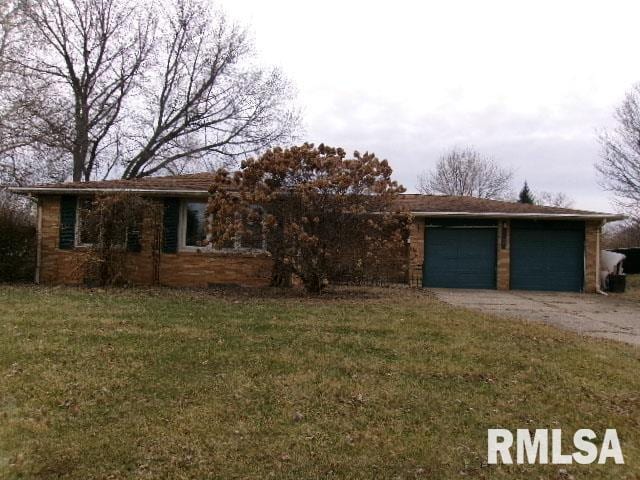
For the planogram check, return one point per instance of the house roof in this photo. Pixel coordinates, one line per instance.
(197, 184)
(448, 205)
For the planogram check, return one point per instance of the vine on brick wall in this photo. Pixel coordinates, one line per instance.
(115, 227)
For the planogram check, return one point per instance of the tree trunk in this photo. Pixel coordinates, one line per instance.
(81, 143)
(281, 274)
(313, 283)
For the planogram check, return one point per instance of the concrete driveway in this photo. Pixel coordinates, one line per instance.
(595, 315)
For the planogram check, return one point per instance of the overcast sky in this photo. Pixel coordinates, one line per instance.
(529, 83)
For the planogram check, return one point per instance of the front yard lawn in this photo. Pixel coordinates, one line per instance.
(168, 384)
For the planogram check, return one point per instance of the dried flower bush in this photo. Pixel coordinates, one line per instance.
(318, 209)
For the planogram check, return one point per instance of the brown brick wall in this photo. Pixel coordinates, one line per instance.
(56, 266)
(592, 256)
(184, 269)
(192, 269)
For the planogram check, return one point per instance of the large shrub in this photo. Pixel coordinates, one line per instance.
(17, 241)
(321, 211)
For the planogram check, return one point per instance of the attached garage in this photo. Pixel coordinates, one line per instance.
(547, 255)
(466, 242)
(541, 254)
(460, 254)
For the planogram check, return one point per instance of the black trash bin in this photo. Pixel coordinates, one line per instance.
(617, 283)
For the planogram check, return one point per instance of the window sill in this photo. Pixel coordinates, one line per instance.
(241, 252)
(88, 246)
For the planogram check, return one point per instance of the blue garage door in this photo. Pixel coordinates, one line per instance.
(547, 256)
(460, 257)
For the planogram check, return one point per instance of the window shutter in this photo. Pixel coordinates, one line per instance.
(133, 238)
(170, 224)
(68, 204)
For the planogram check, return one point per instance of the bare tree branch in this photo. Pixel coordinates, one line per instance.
(465, 172)
(211, 101)
(619, 167)
(554, 199)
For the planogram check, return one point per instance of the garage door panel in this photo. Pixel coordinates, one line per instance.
(547, 257)
(460, 257)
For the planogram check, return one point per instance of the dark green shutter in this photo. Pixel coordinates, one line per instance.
(170, 223)
(68, 204)
(133, 238)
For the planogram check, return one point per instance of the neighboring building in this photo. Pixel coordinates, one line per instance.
(457, 242)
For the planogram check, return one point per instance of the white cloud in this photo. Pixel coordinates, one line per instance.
(528, 82)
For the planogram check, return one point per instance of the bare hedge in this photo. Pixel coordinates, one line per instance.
(17, 243)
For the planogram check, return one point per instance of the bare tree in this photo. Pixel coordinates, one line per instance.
(620, 165)
(8, 13)
(624, 234)
(20, 161)
(466, 172)
(209, 98)
(135, 88)
(87, 54)
(10, 20)
(554, 199)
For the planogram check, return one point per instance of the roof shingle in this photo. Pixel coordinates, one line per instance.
(193, 181)
(198, 183)
(454, 204)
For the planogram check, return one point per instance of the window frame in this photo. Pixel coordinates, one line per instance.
(182, 227)
(78, 228)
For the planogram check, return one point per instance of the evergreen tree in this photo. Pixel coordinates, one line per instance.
(525, 195)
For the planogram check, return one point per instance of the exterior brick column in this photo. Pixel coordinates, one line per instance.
(504, 255)
(592, 256)
(416, 252)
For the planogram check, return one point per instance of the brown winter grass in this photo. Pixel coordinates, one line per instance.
(632, 291)
(164, 384)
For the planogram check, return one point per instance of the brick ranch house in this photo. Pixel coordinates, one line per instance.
(459, 242)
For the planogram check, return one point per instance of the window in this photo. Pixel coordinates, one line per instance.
(195, 224)
(85, 228)
(92, 228)
(194, 220)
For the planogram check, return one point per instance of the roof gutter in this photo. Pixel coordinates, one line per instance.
(609, 217)
(78, 191)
